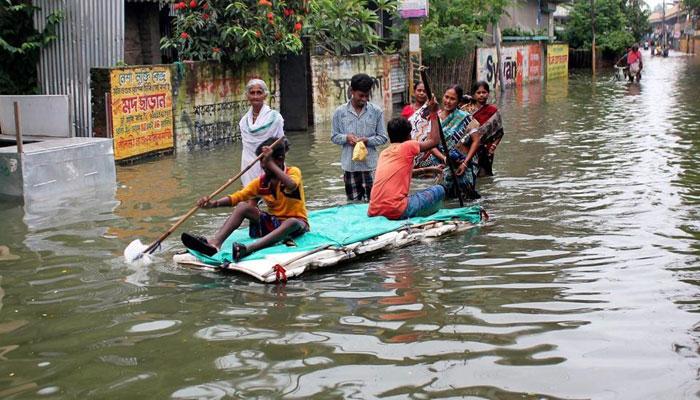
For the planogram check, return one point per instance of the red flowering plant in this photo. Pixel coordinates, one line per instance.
(236, 30)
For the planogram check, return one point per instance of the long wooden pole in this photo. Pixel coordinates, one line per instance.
(18, 130)
(450, 162)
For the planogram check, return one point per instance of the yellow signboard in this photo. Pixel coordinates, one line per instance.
(142, 110)
(557, 61)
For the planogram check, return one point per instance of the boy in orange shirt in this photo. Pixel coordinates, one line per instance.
(392, 179)
(282, 190)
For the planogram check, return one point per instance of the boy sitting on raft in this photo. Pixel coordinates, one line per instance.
(282, 190)
(392, 179)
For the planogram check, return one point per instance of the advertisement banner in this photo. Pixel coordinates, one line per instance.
(142, 111)
(413, 9)
(486, 65)
(557, 61)
(520, 64)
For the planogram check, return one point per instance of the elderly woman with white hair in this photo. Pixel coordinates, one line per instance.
(257, 125)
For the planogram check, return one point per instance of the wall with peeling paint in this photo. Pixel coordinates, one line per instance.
(208, 100)
(330, 77)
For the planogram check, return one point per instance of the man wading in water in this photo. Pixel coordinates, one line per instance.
(358, 121)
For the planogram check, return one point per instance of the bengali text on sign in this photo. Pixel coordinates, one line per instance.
(557, 61)
(142, 115)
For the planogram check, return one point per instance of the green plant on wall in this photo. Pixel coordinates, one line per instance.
(20, 45)
(341, 27)
(236, 31)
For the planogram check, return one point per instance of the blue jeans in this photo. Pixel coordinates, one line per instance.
(425, 202)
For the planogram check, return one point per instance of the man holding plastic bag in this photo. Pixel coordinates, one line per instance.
(356, 125)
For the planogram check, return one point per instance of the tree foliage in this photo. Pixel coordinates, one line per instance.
(613, 34)
(454, 26)
(243, 30)
(347, 26)
(692, 5)
(20, 45)
(637, 13)
(236, 30)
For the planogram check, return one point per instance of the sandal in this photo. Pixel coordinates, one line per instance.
(199, 244)
(239, 251)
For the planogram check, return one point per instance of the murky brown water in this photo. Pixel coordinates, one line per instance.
(584, 285)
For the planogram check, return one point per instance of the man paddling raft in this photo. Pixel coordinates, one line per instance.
(281, 188)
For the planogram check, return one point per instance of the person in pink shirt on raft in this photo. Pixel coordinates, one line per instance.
(392, 179)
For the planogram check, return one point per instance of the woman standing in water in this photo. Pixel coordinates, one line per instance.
(257, 125)
(421, 98)
(490, 126)
(461, 147)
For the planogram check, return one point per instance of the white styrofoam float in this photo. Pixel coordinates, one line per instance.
(276, 267)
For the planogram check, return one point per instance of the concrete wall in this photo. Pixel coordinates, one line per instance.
(142, 34)
(527, 15)
(57, 167)
(209, 101)
(40, 115)
(11, 182)
(330, 79)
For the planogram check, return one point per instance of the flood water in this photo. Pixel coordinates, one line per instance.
(584, 284)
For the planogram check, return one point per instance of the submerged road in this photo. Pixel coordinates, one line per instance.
(583, 285)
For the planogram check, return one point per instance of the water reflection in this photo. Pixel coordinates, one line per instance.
(583, 285)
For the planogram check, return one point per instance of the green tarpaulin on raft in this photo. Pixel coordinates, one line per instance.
(338, 226)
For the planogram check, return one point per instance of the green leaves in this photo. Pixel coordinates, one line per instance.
(237, 31)
(693, 5)
(341, 27)
(454, 26)
(618, 24)
(20, 44)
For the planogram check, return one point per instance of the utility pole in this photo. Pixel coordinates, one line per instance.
(663, 26)
(593, 30)
(499, 67)
(415, 59)
(415, 12)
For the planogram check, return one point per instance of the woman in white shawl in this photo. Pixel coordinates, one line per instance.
(257, 125)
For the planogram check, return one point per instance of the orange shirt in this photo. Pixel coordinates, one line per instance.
(281, 203)
(392, 180)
